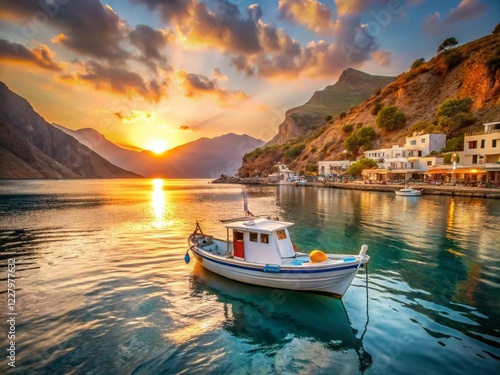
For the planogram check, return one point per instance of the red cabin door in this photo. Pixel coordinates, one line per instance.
(239, 245)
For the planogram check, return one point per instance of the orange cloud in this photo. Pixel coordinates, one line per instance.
(309, 13)
(40, 56)
(382, 58)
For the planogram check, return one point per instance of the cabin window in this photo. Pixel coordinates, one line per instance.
(238, 236)
(254, 237)
(281, 234)
(264, 238)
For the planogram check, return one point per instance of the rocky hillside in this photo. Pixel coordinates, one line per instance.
(30, 147)
(352, 88)
(455, 92)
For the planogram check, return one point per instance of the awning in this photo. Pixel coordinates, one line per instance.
(455, 171)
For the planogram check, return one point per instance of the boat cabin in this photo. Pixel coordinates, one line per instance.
(260, 240)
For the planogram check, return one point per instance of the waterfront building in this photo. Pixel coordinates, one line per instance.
(410, 161)
(478, 163)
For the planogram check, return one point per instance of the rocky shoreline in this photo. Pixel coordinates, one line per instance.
(459, 191)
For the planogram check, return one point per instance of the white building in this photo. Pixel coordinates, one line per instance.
(411, 160)
(329, 168)
(283, 171)
(479, 161)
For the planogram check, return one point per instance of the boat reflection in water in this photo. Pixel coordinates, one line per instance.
(271, 319)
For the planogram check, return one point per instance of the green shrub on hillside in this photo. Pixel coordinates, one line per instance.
(347, 128)
(454, 144)
(295, 150)
(417, 63)
(342, 115)
(454, 114)
(328, 118)
(360, 138)
(389, 118)
(423, 127)
(356, 168)
(376, 108)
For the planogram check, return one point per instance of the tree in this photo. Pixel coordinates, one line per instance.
(361, 137)
(417, 63)
(356, 168)
(447, 44)
(389, 118)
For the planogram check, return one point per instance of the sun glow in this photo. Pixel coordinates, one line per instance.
(157, 146)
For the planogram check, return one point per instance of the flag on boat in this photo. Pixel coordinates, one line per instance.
(245, 202)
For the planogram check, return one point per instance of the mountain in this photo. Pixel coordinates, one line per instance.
(30, 147)
(352, 88)
(203, 158)
(453, 93)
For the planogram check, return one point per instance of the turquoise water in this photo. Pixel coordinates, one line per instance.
(102, 287)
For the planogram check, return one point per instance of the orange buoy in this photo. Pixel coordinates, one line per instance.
(317, 256)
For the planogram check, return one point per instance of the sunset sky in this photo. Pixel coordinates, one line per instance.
(169, 72)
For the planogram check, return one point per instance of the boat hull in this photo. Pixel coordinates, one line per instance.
(328, 279)
(412, 193)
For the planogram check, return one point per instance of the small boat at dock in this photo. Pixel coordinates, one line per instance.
(409, 192)
(259, 251)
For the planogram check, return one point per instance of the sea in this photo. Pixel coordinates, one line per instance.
(93, 280)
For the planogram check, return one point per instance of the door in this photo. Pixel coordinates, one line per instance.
(239, 244)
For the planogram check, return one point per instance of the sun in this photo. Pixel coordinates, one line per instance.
(157, 146)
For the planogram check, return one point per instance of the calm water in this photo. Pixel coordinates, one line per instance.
(102, 287)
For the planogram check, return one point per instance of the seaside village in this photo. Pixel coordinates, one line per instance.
(418, 161)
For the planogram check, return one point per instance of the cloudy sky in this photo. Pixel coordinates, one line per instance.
(172, 71)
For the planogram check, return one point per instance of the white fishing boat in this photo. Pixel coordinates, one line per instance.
(259, 251)
(409, 192)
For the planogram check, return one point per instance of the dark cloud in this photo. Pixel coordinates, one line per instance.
(198, 84)
(122, 81)
(150, 42)
(40, 56)
(169, 9)
(86, 26)
(255, 12)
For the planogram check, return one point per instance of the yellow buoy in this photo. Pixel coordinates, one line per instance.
(317, 256)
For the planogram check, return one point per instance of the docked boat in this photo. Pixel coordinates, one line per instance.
(409, 192)
(259, 251)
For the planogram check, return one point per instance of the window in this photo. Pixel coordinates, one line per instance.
(429, 163)
(281, 234)
(238, 236)
(264, 238)
(254, 237)
(474, 159)
(472, 144)
(413, 143)
(494, 143)
(483, 141)
(423, 140)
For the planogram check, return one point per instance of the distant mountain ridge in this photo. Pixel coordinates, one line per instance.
(203, 158)
(352, 88)
(30, 147)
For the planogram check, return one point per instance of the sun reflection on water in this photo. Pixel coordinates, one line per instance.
(159, 204)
